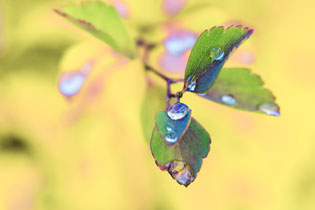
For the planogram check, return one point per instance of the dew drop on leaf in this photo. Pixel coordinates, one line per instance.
(169, 128)
(270, 109)
(181, 172)
(228, 99)
(171, 137)
(191, 84)
(217, 53)
(178, 111)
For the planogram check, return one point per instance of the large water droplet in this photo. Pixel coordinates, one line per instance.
(178, 111)
(228, 99)
(184, 177)
(217, 53)
(171, 137)
(181, 172)
(71, 83)
(270, 109)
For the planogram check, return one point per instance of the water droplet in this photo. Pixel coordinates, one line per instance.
(228, 99)
(191, 84)
(217, 53)
(171, 137)
(203, 94)
(184, 177)
(71, 83)
(270, 109)
(181, 172)
(169, 128)
(178, 111)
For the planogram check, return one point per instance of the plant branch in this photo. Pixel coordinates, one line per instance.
(147, 48)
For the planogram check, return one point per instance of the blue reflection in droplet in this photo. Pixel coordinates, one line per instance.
(228, 99)
(171, 137)
(217, 53)
(178, 111)
(270, 109)
(70, 84)
(191, 84)
(169, 128)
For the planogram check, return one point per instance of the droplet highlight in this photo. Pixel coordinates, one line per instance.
(191, 84)
(178, 111)
(228, 99)
(171, 137)
(217, 53)
(270, 109)
(169, 128)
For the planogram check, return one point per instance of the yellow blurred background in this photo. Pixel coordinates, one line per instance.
(89, 152)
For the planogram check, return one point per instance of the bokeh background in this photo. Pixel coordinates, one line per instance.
(87, 150)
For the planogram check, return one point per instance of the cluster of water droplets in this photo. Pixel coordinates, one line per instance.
(171, 136)
(177, 111)
(181, 172)
(270, 108)
(228, 99)
(217, 53)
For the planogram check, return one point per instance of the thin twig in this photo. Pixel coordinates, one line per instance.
(147, 48)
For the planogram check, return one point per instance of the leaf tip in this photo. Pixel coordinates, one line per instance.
(180, 171)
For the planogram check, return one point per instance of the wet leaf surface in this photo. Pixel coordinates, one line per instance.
(184, 159)
(239, 88)
(209, 54)
(171, 130)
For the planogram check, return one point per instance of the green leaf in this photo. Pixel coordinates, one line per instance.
(239, 88)
(184, 159)
(209, 53)
(152, 103)
(102, 21)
